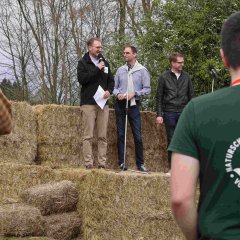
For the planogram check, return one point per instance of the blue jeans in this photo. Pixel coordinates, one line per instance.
(134, 119)
(170, 119)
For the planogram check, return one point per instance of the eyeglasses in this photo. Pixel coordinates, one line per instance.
(126, 53)
(180, 62)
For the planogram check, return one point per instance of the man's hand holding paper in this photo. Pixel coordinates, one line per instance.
(101, 97)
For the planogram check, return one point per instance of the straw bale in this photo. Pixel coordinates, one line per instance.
(25, 238)
(63, 226)
(127, 205)
(20, 146)
(57, 156)
(59, 135)
(60, 139)
(14, 178)
(111, 205)
(10, 201)
(55, 197)
(154, 143)
(21, 220)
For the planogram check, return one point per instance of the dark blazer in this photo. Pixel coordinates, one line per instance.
(90, 77)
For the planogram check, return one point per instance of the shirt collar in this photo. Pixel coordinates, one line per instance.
(93, 59)
(176, 74)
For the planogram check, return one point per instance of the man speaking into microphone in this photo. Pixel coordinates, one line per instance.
(93, 71)
(132, 81)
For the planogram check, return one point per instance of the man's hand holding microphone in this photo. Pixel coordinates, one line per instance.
(101, 64)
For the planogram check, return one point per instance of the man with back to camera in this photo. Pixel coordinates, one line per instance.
(206, 146)
(130, 88)
(93, 71)
(173, 93)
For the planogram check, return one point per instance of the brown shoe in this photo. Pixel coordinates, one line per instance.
(89, 166)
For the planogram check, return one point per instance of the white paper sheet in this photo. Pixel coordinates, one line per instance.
(98, 97)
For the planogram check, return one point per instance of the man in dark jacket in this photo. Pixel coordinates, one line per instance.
(173, 93)
(93, 71)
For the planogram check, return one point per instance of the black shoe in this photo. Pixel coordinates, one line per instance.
(90, 166)
(101, 166)
(142, 168)
(123, 167)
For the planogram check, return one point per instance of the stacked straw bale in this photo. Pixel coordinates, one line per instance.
(14, 178)
(57, 202)
(127, 206)
(63, 226)
(20, 146)
(59, 135)
(111, 205)
(20, 221)
(52, 135)
(60, 139)
(52, 198)
(154, 143)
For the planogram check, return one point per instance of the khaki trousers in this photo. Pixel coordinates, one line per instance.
(93, 116)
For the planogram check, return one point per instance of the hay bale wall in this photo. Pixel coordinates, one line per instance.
(59, 135)
(111, 205)
(60, 141)
(20, 146)
(51, 135)
(154, 143)
(127, 206)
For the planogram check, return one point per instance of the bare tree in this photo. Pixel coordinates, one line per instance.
(38, 28)
(50, 36)
(122, 17)
(16, 47)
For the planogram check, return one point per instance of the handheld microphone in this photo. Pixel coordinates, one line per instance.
(212, 71)
(100, 57)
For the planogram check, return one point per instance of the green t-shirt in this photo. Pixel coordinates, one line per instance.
(209, 130)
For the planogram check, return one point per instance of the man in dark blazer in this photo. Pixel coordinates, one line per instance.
(94, 71)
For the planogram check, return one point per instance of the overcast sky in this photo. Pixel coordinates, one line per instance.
(4, 67)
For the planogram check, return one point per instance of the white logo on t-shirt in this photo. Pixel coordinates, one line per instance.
(234, 172)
